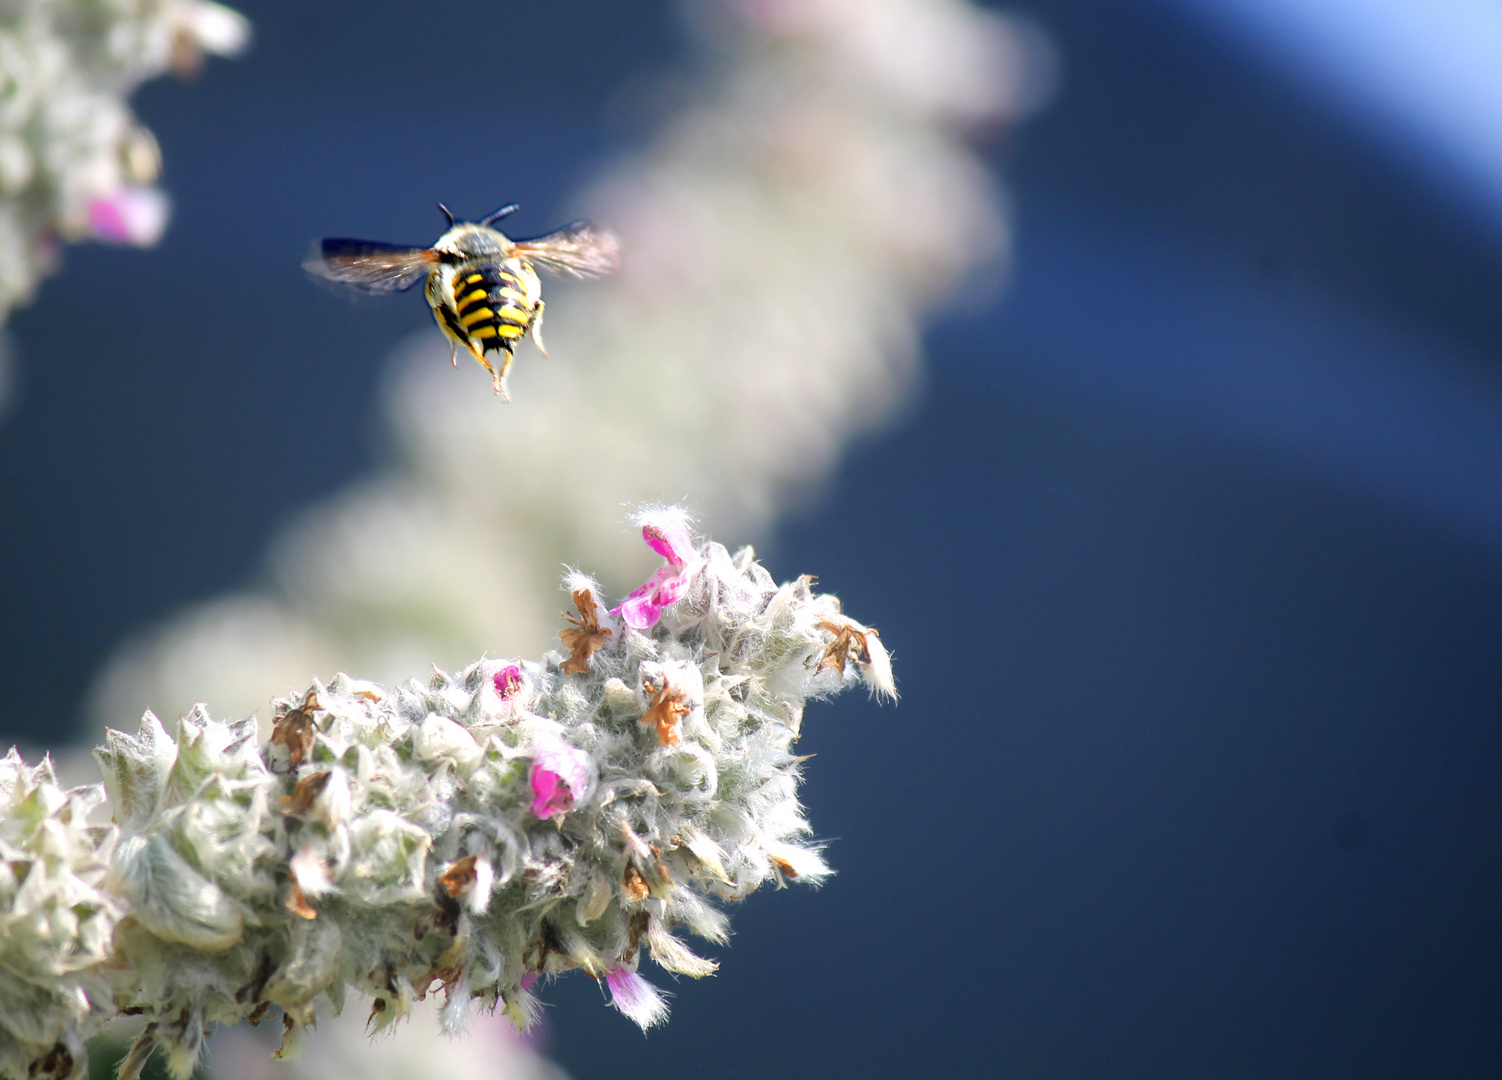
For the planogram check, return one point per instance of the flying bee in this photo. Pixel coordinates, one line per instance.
(482, 285)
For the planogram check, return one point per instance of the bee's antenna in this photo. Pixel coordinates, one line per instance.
(446, 214)
(502, 212)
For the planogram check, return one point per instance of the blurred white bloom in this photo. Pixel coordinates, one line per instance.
(785, 235)
(491, 1049)
(74, 162)
(426, 839)
(941, 59)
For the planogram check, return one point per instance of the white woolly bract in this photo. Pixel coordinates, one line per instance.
(55, 920)
(398, 842)
(636, 998)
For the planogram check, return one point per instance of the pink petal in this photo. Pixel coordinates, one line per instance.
(659, 576)
(666, 585)
(552, 796)
(636, 997)
(644, 606)
(135, 216)
(640, 612)
(671, 588)
(670, 539)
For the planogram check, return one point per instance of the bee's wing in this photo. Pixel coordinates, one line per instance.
(370, 265)
(579, 249)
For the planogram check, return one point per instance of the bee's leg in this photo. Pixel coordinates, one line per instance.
(537, 328)
(479, 355)
(448, 322)
(500, 380)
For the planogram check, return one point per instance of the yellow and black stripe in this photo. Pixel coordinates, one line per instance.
(490, 307)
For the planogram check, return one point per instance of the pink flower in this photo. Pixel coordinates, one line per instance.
(636, 997)
(668, 535)
(131, 215)
(508, 680)
(552, 794)
(560, 776)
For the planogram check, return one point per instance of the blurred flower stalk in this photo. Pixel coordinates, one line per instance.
(75, 164)
(785, 234)
(459, 838)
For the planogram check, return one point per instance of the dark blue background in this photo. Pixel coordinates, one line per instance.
(1195, 772)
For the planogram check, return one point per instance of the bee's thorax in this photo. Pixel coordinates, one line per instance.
(470, 241)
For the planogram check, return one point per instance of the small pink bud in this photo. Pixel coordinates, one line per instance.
(559, 776)
(134, 216)
(507, 681)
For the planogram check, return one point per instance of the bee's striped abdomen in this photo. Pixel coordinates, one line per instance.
(491, 306)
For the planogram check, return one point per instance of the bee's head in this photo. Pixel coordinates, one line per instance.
(472, 241)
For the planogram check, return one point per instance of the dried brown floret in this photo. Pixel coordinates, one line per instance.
(669, 705)
(297, 731)
(849, 644)
(305, 792)
(634, 884)
(459, 878)
(298, 904)
(290, 1040)
(585, 637)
